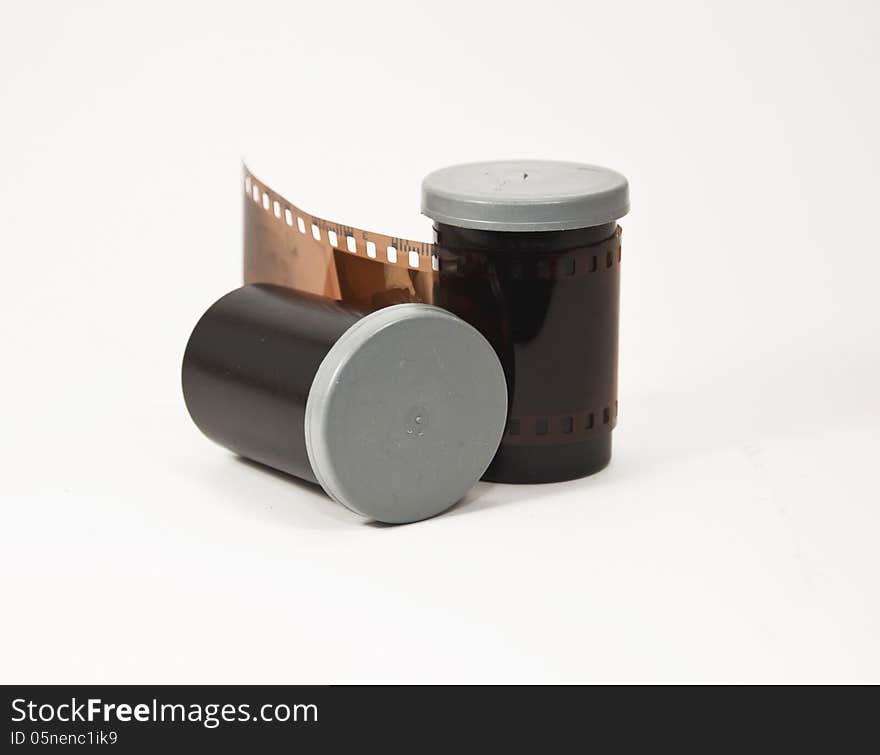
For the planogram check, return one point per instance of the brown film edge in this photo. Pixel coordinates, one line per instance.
(287, 246)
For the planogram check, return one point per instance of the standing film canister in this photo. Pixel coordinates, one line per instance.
(529, 253)
(396, 414)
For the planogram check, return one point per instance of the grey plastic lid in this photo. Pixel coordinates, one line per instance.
(405, 413)
(525, 195)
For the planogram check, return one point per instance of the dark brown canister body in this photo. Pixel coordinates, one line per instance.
(529, 253)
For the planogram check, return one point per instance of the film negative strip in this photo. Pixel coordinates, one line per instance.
(552, 317)
(287, 246)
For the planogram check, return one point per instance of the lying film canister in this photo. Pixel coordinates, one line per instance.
(396, 413)
(529, 253)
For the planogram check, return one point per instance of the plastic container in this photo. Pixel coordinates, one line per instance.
(529, 253)
(396, 414)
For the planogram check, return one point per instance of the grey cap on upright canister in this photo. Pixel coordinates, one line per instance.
(525, 195)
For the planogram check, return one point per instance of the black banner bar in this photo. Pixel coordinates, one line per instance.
(135, 718)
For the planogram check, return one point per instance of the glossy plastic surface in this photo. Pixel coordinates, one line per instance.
(548, 302)
(248, 367)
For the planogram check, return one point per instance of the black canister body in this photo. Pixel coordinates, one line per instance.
(548, 301)
(395, 413)
(529, 252)
(240, 390)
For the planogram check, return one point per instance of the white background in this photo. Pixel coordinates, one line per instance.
(734, 536)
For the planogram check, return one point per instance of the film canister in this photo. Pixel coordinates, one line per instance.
(395, 413)
(529, 253)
